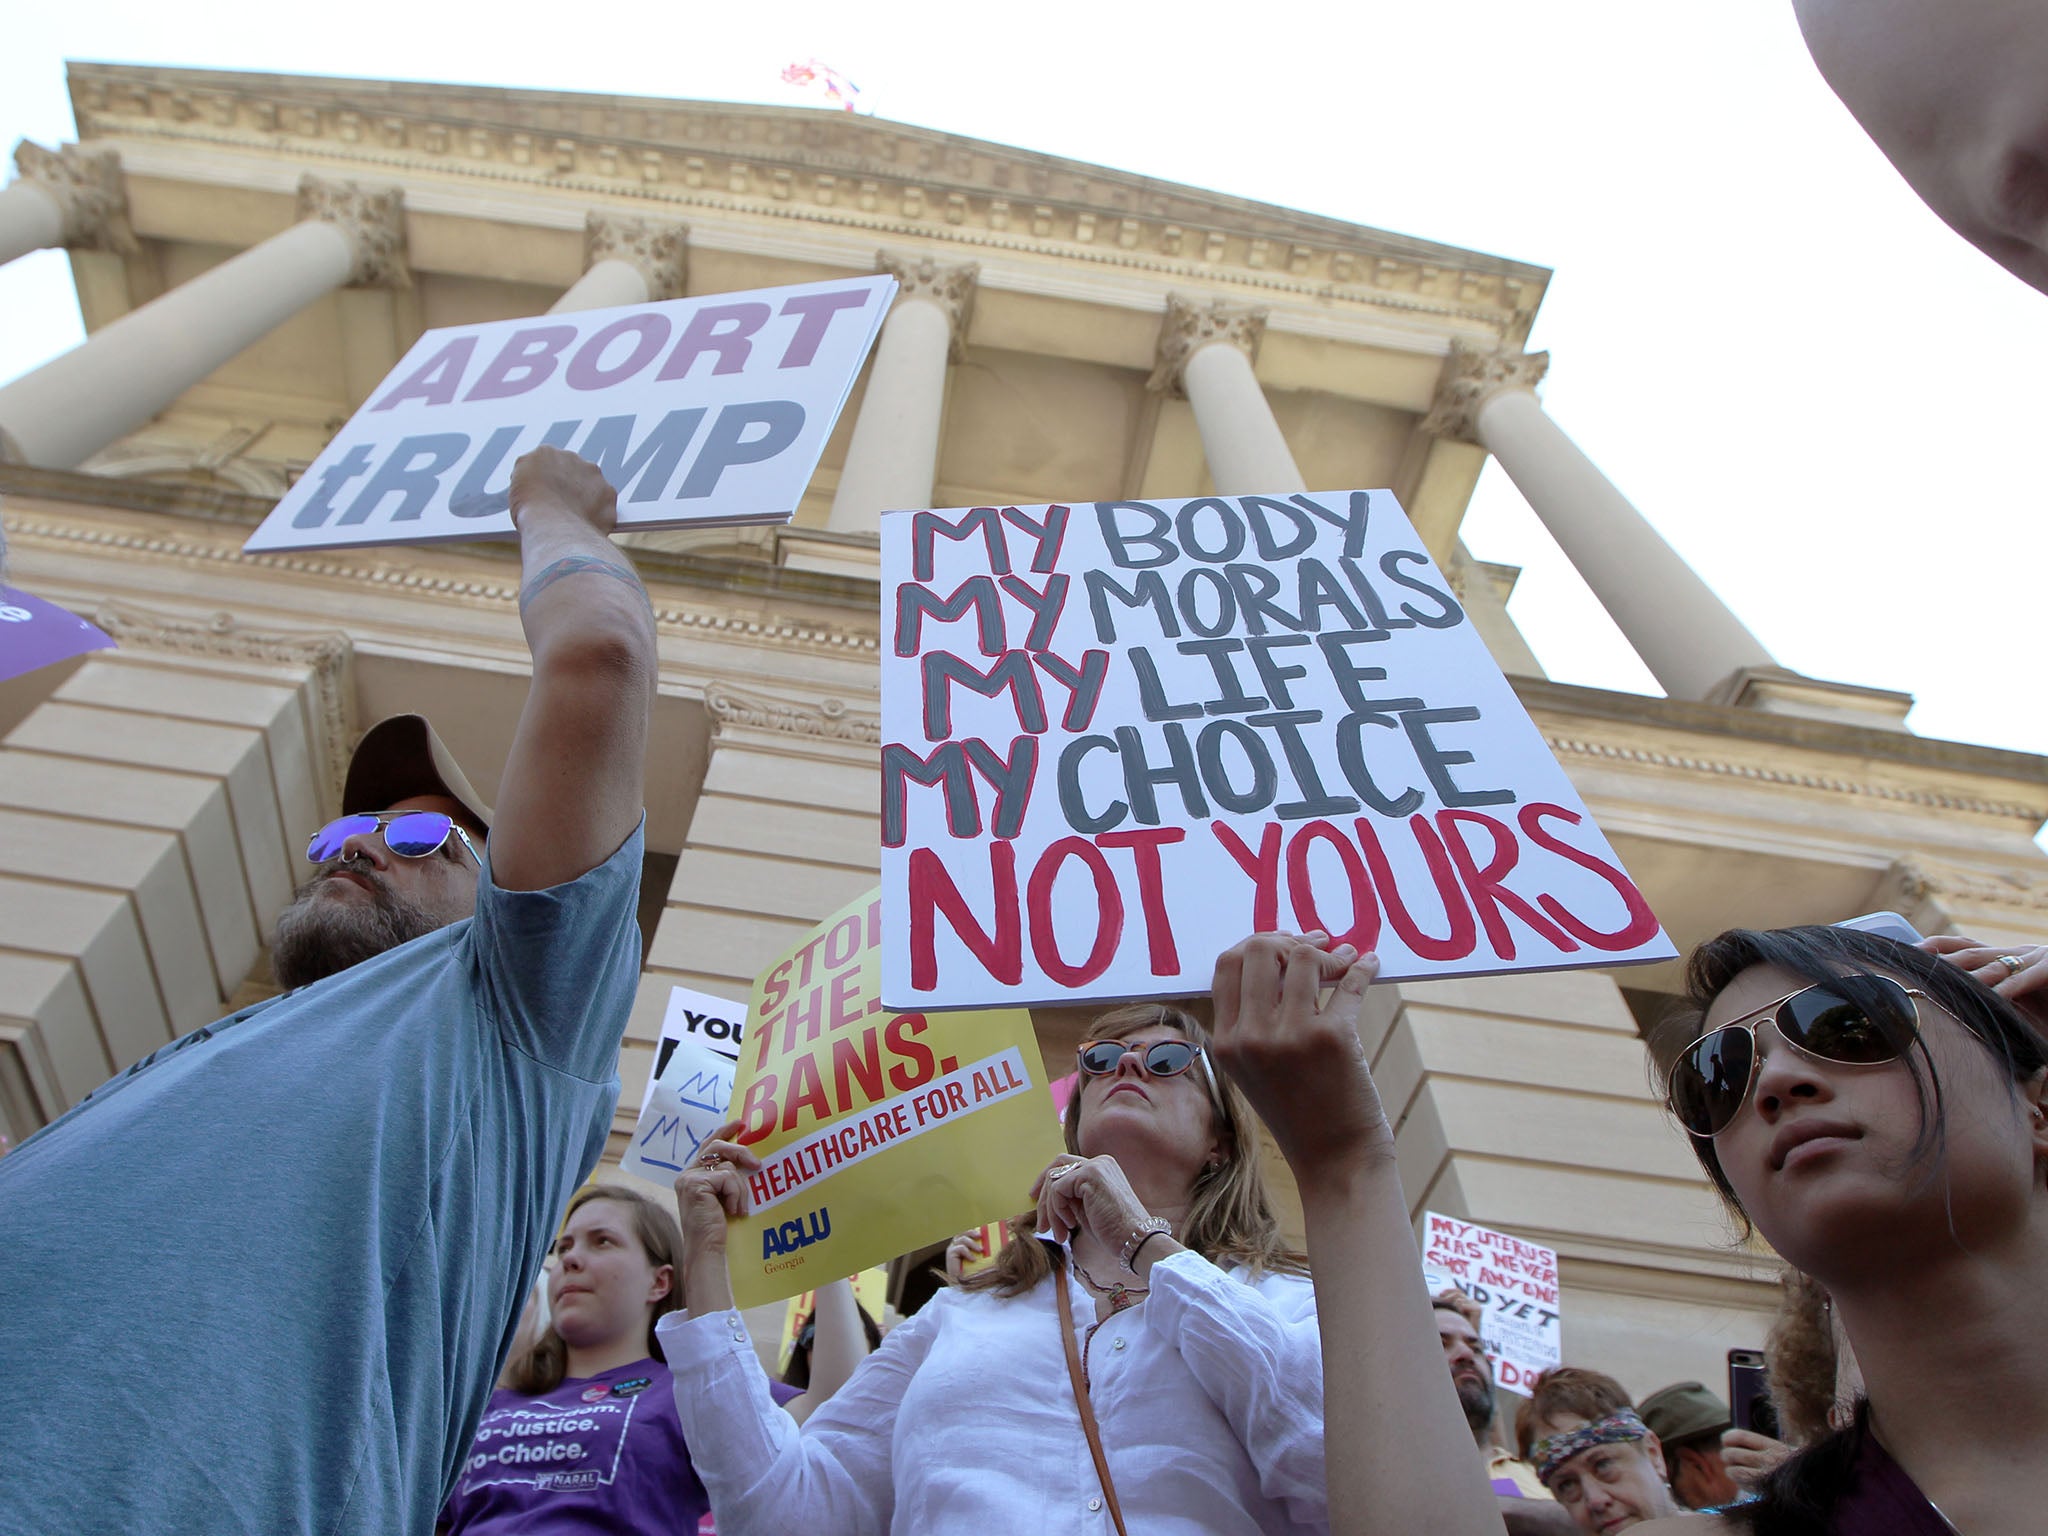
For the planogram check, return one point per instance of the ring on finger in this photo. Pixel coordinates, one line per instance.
(1061, 1171)
(2013, 964)
(711, 1160)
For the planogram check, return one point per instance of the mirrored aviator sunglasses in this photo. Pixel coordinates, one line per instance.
(409, 834)
(1857, 1021)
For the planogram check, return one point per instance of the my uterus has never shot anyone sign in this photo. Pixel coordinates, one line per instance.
(1119, 736)
(702, 411)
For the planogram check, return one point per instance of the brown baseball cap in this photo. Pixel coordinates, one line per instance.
(1682, 1411)
(403, 756)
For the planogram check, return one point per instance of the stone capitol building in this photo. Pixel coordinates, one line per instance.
(252, 253)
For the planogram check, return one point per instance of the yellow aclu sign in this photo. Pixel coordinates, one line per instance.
(878, 1132)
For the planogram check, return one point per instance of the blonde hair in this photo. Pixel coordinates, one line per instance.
(1799, 1358)
(1230, 1218)
(541, 1365)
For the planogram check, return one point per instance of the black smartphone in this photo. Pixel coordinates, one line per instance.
(1749, 1393)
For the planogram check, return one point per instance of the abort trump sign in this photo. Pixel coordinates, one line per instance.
(699, 411)
(1121, 735)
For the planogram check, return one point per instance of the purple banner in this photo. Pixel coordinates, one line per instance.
(35, 634)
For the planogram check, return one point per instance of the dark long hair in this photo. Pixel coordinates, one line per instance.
(1799, 1498)
(1827, 954)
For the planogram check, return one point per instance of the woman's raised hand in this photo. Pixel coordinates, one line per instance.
(1091, 1194)
(708, 1192)
(1296, 1054)
(2024, 985)
(962, 1251)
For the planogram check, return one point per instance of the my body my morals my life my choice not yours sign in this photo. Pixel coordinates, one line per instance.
(698, 411)
(1119, 736)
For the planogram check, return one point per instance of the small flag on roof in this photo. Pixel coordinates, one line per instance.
(814, 75)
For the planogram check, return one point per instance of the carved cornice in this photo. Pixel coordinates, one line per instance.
(1947, 885)
(390, 568)
(947, 284)
(86, 185)
(1574, 746)
(661, 252)
(325, 654)
(1191, 325)
(373, 218)
(825, 167)
(1471, 377)
(826, 719)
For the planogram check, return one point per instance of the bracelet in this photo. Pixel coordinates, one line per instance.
(1151, 1226)
(1141, 1248)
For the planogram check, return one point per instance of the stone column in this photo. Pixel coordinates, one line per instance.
(894, 456)
(627, 261)
(70, 196)
(1685, 635)
(1206, 353)
(97, 393)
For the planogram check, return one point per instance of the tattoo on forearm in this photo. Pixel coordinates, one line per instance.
(572, 565)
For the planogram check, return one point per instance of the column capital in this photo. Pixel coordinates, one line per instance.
(373, 218)
(1190, 326)
(86, 186)
(948, 284)
(660, 252)
(1471, 377)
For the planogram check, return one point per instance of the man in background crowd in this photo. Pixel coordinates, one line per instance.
(1689, 1421)
(1525, 1504)
(262, 1280)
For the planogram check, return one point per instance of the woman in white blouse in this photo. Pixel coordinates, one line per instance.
(1194, 1322)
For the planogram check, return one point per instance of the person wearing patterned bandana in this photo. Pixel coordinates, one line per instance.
(1601, 1462)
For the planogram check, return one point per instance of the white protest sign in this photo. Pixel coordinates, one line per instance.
(699, 411)
(691, 1085)
(1515, 1284)
(1120, 736)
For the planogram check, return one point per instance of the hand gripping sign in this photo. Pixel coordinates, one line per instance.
(1119, 736)
(878, 1132)
(699, 411)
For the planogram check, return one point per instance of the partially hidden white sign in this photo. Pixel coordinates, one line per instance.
(709, 410)
(691, 1085)
(1119, 736)
(1515, 1284)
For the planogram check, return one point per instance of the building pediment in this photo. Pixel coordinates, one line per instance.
(807, 162)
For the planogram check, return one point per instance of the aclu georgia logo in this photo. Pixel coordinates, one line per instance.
(800, 1233)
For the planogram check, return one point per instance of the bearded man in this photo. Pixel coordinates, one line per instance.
(1525, 1504)
(263, 1280)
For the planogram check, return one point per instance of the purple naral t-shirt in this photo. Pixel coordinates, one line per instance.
(601, 1454)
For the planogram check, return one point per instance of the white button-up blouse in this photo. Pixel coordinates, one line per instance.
(1209, 1398)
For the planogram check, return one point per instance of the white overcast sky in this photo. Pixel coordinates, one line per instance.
(1830, 404)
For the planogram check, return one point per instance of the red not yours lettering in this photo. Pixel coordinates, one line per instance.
(1470, 858)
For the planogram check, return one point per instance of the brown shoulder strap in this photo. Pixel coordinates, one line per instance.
(1059, 1282)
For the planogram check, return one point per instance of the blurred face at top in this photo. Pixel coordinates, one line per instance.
(1610, 1487)
(1129, 1111)
(1823, 1157)
(1955, 92)
(603, 1286)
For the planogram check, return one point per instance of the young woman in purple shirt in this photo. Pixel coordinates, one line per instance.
(582, 1434)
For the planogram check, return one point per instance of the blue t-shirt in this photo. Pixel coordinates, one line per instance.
(262, 1282)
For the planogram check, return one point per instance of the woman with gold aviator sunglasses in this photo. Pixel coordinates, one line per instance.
(1880, 1117)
